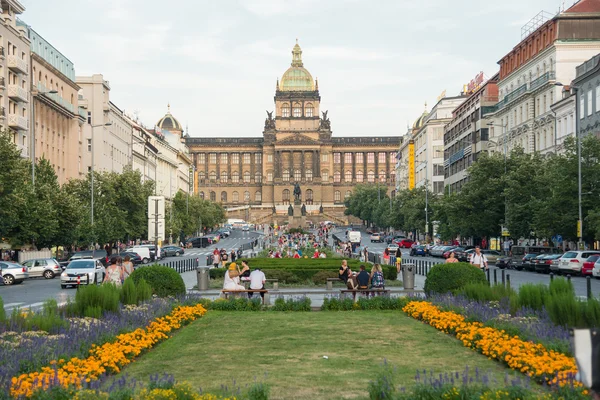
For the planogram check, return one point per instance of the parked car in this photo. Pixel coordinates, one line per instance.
(153, 253)
(527, 262)
(518, 253)
(389, 239)
(452, 249)
(13, 273)
(46, 267)
(201, 241)
(572, 261)
(135, 258)
(596, 270)
(440, 250)
(246, 228)
(418, 251)
(169, 251)
(491, 255)
(376, 237)
(405, 243)
(142, 251)
(88, 254)
(588, 265)
(393, 248)
(461, 254)
(212, 238)
(85, 271)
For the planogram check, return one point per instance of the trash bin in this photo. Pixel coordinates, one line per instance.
(408, 276)
(209, 260)
(203, 277)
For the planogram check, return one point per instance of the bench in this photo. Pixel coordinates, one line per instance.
(330, 282)
(226, 293)
(373, 292)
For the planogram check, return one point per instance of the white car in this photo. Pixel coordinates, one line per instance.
(82, 272)
(596, 269)
(572, 261)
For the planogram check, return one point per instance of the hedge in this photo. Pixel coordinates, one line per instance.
(444, 278)
(164, 281)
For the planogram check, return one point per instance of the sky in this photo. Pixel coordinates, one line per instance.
(217, 61)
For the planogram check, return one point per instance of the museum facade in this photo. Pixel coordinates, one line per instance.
(254, 178)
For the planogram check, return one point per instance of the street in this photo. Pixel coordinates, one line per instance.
(33, 292)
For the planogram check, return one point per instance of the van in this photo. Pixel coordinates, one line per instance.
(201, 241)
(354, 236)
(143, 252)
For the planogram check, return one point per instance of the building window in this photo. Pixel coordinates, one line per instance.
(257, 158)
(201, 194)
(297, 175)
(213, 196)
(202, 158)
(438, 187)
(359, 176)
(247, 177)
(224, 197)
(337, 177)
(285, 196)
(224, 158)
(269, 176)
(258, 197)
(589, 102)
(309, 110)
(270, 158)
(285, 110)
(371, 176)
(582, 106)
(309, 196)
(212, 176)
(348, 194)
(246, 196)
(201, 176)
(382, 176)
(598, 98)
(348, 176)
(337, 196)
(325, 176)
(297, 110)
(235, 196)
(359, 158)
(235, 177)
(286, 175)
(393, 157)
(309, 176)
(348, 158)
(89, 146)
(381, 158)
(257, 177)
(246, 158)
(325, 157)
(212, 158)
(337, 158)
(370, 158)
(224, 177)
(235, 158)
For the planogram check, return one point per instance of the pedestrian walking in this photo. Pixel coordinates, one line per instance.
(478, 259)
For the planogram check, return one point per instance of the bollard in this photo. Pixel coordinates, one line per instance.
(551, 276)
(495, 277)
(503, 278)
(589, 286)
(508, 281)
(569, 277)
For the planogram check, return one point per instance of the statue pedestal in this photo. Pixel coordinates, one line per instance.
(297, 220)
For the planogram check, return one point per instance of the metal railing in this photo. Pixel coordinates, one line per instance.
(545, 78)
(182, 266)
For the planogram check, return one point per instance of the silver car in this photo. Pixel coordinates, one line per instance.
(46, 267)
(82, 272)
(12, 272)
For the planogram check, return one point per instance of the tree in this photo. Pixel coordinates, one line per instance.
(363, 202)
(13, 176)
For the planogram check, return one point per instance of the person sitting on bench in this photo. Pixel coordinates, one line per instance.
(257, 282)
(363, 278)
(343, 274)
(232, 278)
(377, 281)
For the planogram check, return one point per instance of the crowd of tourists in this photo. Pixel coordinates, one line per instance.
(363, 279)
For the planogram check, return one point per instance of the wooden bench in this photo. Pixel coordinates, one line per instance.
(226, 293)
(373, 292)
(330, 282)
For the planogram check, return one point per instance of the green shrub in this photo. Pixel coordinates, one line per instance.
(320, 278)
(291, 304)
(144, 291)
(164, 281)
(563, 309)
(478, 292)
(444, 278)
(533, 296)
(93, 301)
(235, 304)
(561, 285)
(128, 292)
(589, 314)
(259, 391)
(48, 319)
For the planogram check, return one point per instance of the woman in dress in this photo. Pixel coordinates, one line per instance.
(232, 278)
(386, 256)
(114, 272)
(127, 267)
(451, 258)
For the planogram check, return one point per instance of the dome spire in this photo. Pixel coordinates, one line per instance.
(297, 56)
(169, 107)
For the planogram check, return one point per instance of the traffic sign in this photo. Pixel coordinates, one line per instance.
(557, 239)
(505, 231)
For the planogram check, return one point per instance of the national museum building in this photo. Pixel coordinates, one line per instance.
(254, 177)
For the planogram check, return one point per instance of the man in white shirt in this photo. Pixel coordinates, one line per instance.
(257, 282)
(478, 259)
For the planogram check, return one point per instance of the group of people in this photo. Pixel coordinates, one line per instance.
(220, 257)
(362, 279)
(234, 276)
(477, 259)
(118, 270)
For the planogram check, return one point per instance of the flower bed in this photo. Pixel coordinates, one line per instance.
(534, 360)
(107, 358)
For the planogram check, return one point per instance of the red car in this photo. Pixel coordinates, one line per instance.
(405, 243)
(588, 265)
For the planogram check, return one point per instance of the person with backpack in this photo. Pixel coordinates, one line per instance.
(478, 259)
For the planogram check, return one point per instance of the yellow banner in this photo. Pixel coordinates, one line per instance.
(411, 164)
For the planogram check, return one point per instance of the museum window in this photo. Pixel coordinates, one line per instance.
(348, 194)
(212, 176)
(393, 157)
(212, 158)
(201, 176)
(285, 196)
(286, 175)
(201, 194)
(224, 177)
(297, 175)
(337, 158)
(325, 157)
(247, 177)
(309, 196)
(285, 110)
(297, 110)
(257, 177)
(337, 177)
(337, 196)
(359, 176)
(246, 158)
(258, 197)
(224, 196)
(235, 158)
(235, 197)
(246, 196)
(235, 177)
(309, 110)
(382, 176)
(224, 158)
(257, 158)
(381, 158)
(270, 158)
(309, 176)
(370, 158)
(348, 158)
(213, 196)
(371, 176)
(269, 176)
(348, 176)
(359, 157)
(325, 176)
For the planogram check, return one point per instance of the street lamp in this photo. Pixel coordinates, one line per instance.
(578, 137)
(92, 173)
(32, 139)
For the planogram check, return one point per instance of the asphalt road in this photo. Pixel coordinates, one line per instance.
(517, 278)
(33, 292)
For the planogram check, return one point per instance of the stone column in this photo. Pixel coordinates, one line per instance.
(387, 164)
(218, 167)
(365, 164)
(314, 163)
(354, 167)
(228, 167)
(241, 169)
(376, 166)
(291, 165)
(252, 166)
(302, 169)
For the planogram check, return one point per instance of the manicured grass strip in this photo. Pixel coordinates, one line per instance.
(289, 349)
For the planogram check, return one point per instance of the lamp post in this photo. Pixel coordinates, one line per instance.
(92, 173)
(32, 139)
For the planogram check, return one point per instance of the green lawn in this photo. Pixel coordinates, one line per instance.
(286, 351)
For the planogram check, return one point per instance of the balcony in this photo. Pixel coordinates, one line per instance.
(55, 98)
(542, 80)
(488, 109)
(17, 122)
(18, 65)
(2, 112)
(17, 93)
(2, 82)
(82, 113)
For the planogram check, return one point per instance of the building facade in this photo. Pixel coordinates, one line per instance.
(529, 73)
(255, 177)
(587, 89)
(14, 76)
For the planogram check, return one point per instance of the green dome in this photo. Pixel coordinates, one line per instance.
(297, 78)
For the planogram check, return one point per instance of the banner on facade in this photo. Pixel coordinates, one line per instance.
(411, 164)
